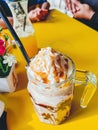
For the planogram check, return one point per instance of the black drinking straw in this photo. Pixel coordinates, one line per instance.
(23, 12)
(15, 36)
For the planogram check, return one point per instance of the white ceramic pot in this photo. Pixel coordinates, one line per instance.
(2, 106)
(9, 83)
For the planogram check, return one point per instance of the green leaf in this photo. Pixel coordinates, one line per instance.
(1, 29)
(4, 74)
(6, 37)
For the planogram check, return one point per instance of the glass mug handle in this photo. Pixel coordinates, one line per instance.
(90, 80)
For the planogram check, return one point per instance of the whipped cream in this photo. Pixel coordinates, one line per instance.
(49, 67)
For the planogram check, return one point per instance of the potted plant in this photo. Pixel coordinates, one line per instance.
(8, 77)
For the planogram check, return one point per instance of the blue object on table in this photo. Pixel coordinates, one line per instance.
(3, 121)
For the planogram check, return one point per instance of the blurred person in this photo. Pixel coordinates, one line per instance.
(85, 11)
(37, 11)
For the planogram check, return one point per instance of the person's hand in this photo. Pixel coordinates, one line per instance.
(70, 6)
(37, 14)
(85, 11)
(45, 5)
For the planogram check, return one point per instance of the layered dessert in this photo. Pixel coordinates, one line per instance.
(50, 85)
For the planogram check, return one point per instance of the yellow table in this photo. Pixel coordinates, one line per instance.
(81, 44)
